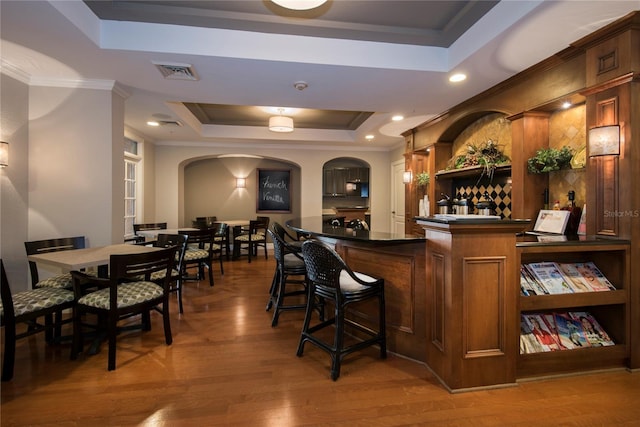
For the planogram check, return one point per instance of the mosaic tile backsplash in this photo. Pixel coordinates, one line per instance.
(499, 190)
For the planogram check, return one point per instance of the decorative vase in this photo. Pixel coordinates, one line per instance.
(421, 208)
(425, 203)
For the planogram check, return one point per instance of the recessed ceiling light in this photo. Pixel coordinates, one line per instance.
(299, 4)
(566, 104)
(369, 137)
(397, 118)
(153, 123)
(458, 77)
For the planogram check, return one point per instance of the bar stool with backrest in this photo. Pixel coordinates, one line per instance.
(331, 280)
(27, 307)
(129, 291)
(289, 263)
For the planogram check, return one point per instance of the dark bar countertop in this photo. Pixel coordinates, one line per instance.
(317, 227)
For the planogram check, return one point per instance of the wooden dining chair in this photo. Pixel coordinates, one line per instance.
(33, 307)
(52, 245)
(148, 226)
(175, 284)
(199, 252)
(124, 294)
(252, 238)
(60, 281)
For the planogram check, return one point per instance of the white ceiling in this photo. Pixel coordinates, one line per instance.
(385, 57)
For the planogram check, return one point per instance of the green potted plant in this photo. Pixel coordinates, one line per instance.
(550, 159)
(422, 179)
(488, 154)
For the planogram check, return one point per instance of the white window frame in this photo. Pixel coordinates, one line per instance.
(135, 159)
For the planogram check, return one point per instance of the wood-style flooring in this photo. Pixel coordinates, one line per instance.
(228, 367)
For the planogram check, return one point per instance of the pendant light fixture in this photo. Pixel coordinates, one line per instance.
(299, 4)
(280, 123)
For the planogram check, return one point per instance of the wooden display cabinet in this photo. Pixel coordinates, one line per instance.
(610, 308)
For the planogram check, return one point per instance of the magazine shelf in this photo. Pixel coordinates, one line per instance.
(610, 308)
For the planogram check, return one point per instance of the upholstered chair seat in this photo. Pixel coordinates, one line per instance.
(129, 294)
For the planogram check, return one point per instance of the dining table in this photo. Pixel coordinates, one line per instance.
(153, 234)
(96, 257)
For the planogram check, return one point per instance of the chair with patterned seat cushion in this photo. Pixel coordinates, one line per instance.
(200, 250)
(204, 222)
(27, 307)
(331, 280)
(124, 295)
(52, 245)
(59, 281)
(180, 242)
(253, 237)
(149, 226)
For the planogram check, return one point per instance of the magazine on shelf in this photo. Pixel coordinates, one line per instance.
(549, 276)
(541, 331)
(527, 287)
(594, 277)
(551, 324)
(594, 333)
(575, 279)
(570, 332)
(528, 341)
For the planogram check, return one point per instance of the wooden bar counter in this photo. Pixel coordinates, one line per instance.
(400, 260)
(472, 289)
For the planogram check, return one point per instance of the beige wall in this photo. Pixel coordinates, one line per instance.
(210, 189)
(66, 169)
(76, 164)
(14, 194)
(172, 159)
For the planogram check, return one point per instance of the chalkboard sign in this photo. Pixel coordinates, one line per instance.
(274, 190)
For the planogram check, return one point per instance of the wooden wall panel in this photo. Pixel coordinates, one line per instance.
(403, 268)
(437, 303)
(607, 179)
(607, 204)
(483, 290)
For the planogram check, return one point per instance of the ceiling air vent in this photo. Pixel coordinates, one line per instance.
(175, 71)
(169, 123)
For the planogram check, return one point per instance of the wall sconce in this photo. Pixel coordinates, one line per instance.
(604, 140)
(241, 182)
(407, 177)
(4, 154)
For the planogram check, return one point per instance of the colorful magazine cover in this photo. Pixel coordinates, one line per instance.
(528, 342)
(541, 332)
(594, 276)
(574, 277)
(594, 333)
(570, 332)
(549, 276)
(533, 283)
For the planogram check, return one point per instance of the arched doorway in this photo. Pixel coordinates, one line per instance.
(345, 189)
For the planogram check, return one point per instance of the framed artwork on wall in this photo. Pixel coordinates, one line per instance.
(274, 190)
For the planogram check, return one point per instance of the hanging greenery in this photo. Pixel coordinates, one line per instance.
(550, 159)
(488, 155)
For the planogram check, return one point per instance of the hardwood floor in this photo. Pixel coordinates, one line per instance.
(228, 367)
